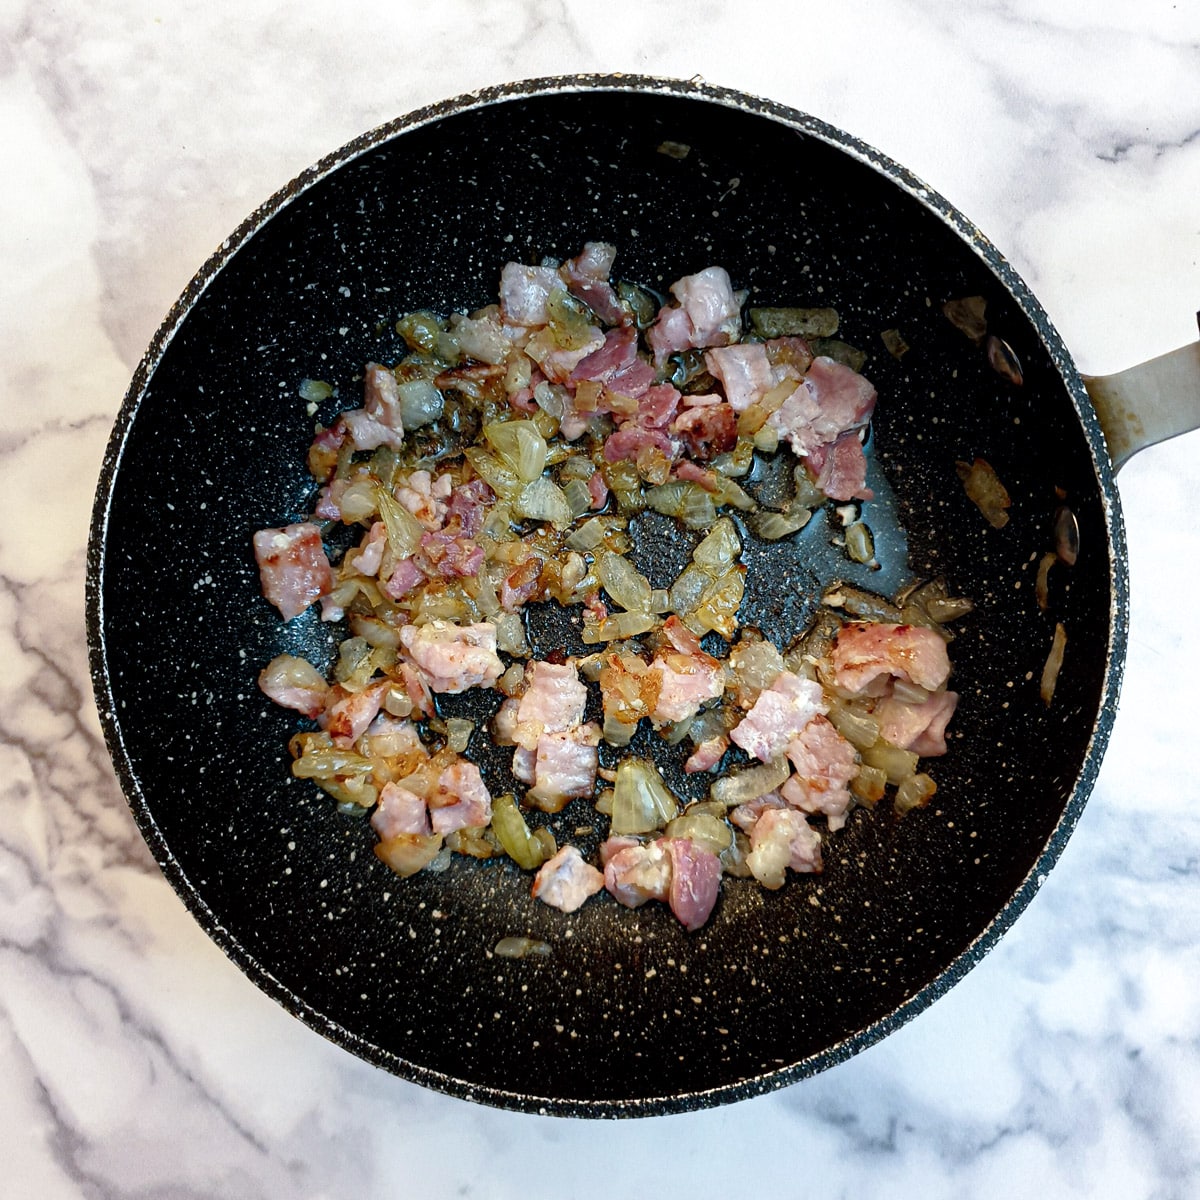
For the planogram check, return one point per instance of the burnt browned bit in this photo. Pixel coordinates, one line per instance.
(966, 315)
(1004, 362)
(1066, 535)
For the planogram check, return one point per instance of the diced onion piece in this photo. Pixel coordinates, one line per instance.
(403, 529)
(729, 492)
(705, 830)
(860, 729)
(604, 802)
(1042, 588)
(521, 947)
(545, 839)
(718, 609)
(794, 322)
(771, 526)
(719, 550)
(358, 501)
(520, 445)
(688, 590)
(744, 786)
(660, 601)
(578, 497)
(697, 510)
(458, 733)
(618, 733)
(766, 439)
(510, 634)
(869, 784)
(498, 475)
(543, 500)
(420, 403)
(517, 842)
(315, 390)
(1054, 663)
(984, 488)
(860, 545)
(967, 315)
(914, 792)
(898, 764)
(587, 536)
(641, 801)
(627, 586)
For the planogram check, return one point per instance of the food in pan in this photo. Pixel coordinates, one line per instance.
(500, 465)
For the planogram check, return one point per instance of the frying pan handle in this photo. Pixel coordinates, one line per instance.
(1148, 403)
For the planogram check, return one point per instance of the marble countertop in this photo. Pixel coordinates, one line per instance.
(135, 1060)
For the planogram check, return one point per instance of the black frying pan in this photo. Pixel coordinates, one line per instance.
(630, 1015)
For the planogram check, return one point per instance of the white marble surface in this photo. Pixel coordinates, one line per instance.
(135, 1060)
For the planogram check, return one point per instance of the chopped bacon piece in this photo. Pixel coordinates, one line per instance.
(695, 882)
(400, 811)
(779, 714)
(597, 490)
(707, 431)
(920, 728)
(745, 816)
(688, 682)
(294, 570)
(631, 439)
(323, 453)
(566, 881)
(564, 767)
(369, 556)
(638, 872)
(521, 584)
(461, 799)
(782, 838)
(744, 371)
(347, 714)
(867, 656)
(294, 683)
(425, 497)
(618, 352)
(840, 469)
(554, 701)
(825, 764)
(452, 658)
(709, 314)
(707, 754)
(445, 556)
(378, 422)
(403, 579)
(586, 277)
(524, 292)
(468, 507)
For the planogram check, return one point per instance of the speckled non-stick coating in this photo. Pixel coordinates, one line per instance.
(630, 1014)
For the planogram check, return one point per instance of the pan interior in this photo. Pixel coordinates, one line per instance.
(629, 1013)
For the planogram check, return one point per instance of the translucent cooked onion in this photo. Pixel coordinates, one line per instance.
(521, 947)
(754, 666)
(358, 501)
(1054, 663)
(794, 322)
(719, 550)
(703, 829)
(859, 728)
(315, 390)
(578, 497)
(641, 801)
(403, 529)
(513, 834)
(914, 792)
(510, 634)
(543, 500)
(744, 786)
(587, 536)
(420, 403)
(497, 474)
(458, 733)
(409, 853)
(983, 486)
(771, 526)
(897, 764)
(520, 445)
(624, 583)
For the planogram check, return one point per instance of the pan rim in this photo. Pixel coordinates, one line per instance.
(539, 88)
